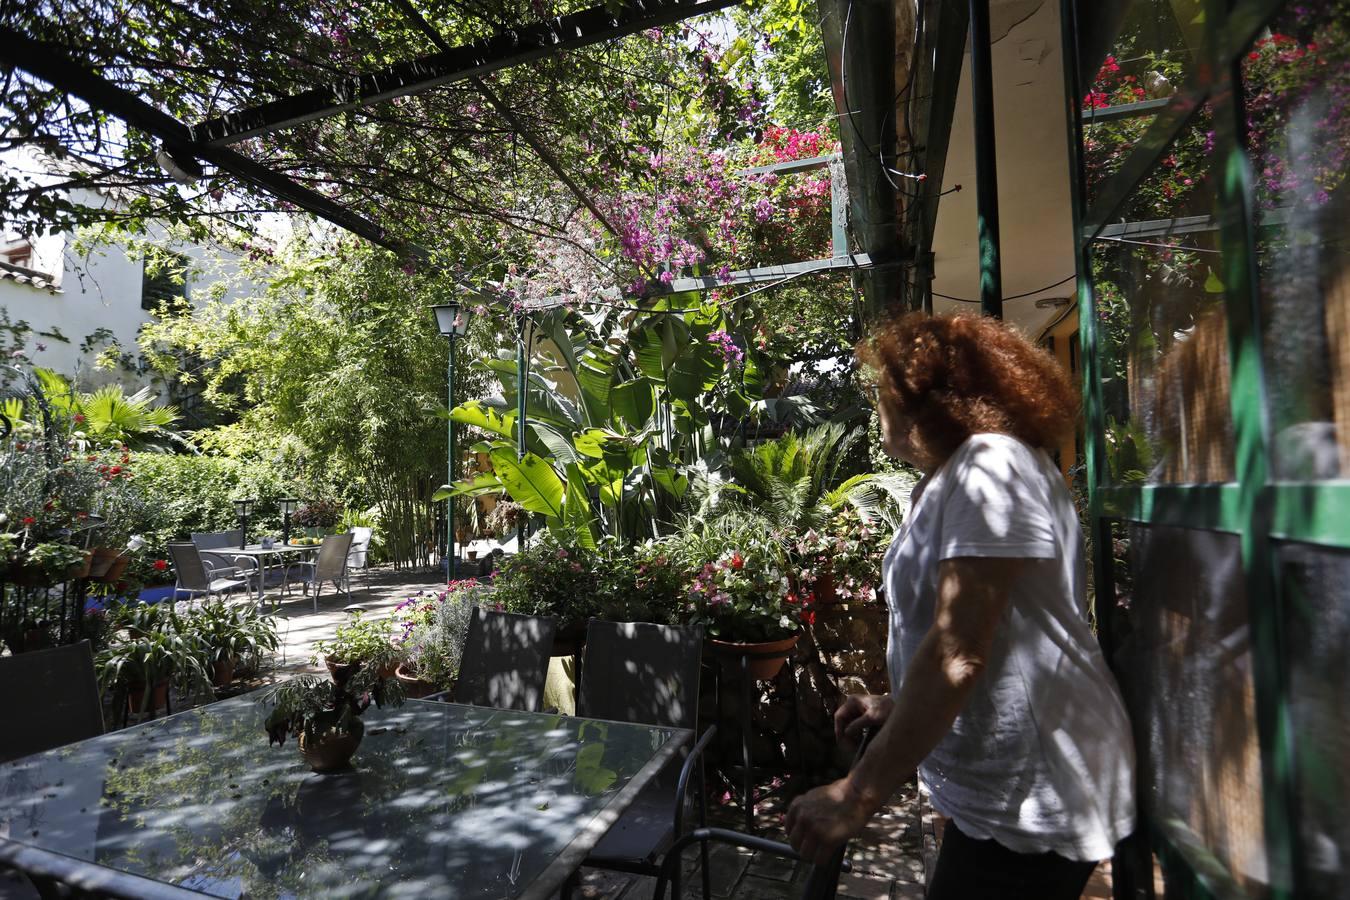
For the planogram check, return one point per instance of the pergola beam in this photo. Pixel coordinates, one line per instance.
(504, 49)
(506, 112)
(50, 63)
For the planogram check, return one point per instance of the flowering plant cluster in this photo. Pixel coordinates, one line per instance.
(841, 562)
(434, 631)
(548, 579)
(420, 609)
(745, 595)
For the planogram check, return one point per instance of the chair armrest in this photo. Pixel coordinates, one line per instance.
(214, 570)
(682, 786)
(723, 836)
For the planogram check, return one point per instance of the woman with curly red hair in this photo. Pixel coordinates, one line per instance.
(1000, 695)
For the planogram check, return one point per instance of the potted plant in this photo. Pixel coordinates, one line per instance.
(149, 649)
(226, 634)
(317, 518)
(642, 583)
(841, 564)
(746, 604)
(57, 561)
(550, 579)
(325, 716)
(360, 643)
(433, 637)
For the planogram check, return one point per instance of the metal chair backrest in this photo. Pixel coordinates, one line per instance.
(505, 660)
(187, 562)
(642, 673)
(54, 700)
(356, 558)
(216, 540)
(332, 557)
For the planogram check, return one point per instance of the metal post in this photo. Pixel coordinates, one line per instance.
(452, 562)
(521, 411)
(986, 160)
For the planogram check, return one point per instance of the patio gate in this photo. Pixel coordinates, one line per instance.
(1211, 141)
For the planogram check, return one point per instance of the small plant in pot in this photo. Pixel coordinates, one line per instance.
(359, 644)
(433, 637)
(325, 716)
(318, 518)
(746, 604)
(550, 579)
(227, 634)
(149, 649)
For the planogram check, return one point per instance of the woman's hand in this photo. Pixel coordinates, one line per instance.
(820, 821)
(859, 711)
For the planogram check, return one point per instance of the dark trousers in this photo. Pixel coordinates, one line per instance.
(968, 869)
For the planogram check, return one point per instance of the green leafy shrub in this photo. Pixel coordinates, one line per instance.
(549, 579)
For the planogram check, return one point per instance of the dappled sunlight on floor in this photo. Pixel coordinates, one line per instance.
(887, 862)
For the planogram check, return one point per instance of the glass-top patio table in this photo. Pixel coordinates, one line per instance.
(442, 801)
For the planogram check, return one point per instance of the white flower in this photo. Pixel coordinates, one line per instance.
(136, 543)
(785, 622)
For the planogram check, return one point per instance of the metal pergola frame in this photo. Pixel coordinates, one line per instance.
(1255, 507)
(209, 141)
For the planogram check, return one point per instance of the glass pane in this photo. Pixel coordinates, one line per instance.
(1187, 678)
(1296, 80)
(1317, 589)
(1163, 333)
(1152, 54)
(442, 800)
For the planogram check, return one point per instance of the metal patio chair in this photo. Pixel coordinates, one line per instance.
(54, 700)
(196, 575)
(647, 674)
(505, 661)
(214, 547)
(331, 565)
(822, 881)
(358, 558)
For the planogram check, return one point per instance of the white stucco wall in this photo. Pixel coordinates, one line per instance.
(100, 290)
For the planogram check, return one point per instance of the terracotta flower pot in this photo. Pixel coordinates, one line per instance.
(412, 685)
(159, 697)
(81, 569)
(115, 570)
(222, 671)
(768, 656)
(341, 672)
(331, 753)
(103, 559)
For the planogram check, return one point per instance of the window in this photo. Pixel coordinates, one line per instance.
(163, 280)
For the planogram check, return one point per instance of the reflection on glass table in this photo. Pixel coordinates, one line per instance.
(442, 801)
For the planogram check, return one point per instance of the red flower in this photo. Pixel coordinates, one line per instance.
(29, 520)
(808, 617)
(115, 470)
(161, 565)
(792, 599)
(737, 561)
(79, 419)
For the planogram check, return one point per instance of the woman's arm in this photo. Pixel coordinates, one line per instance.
(972, 596)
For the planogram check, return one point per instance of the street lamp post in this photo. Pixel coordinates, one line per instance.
(243, 508)
(453, 321)
(288, 507)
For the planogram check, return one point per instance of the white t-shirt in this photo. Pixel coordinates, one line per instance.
(1042, 757)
